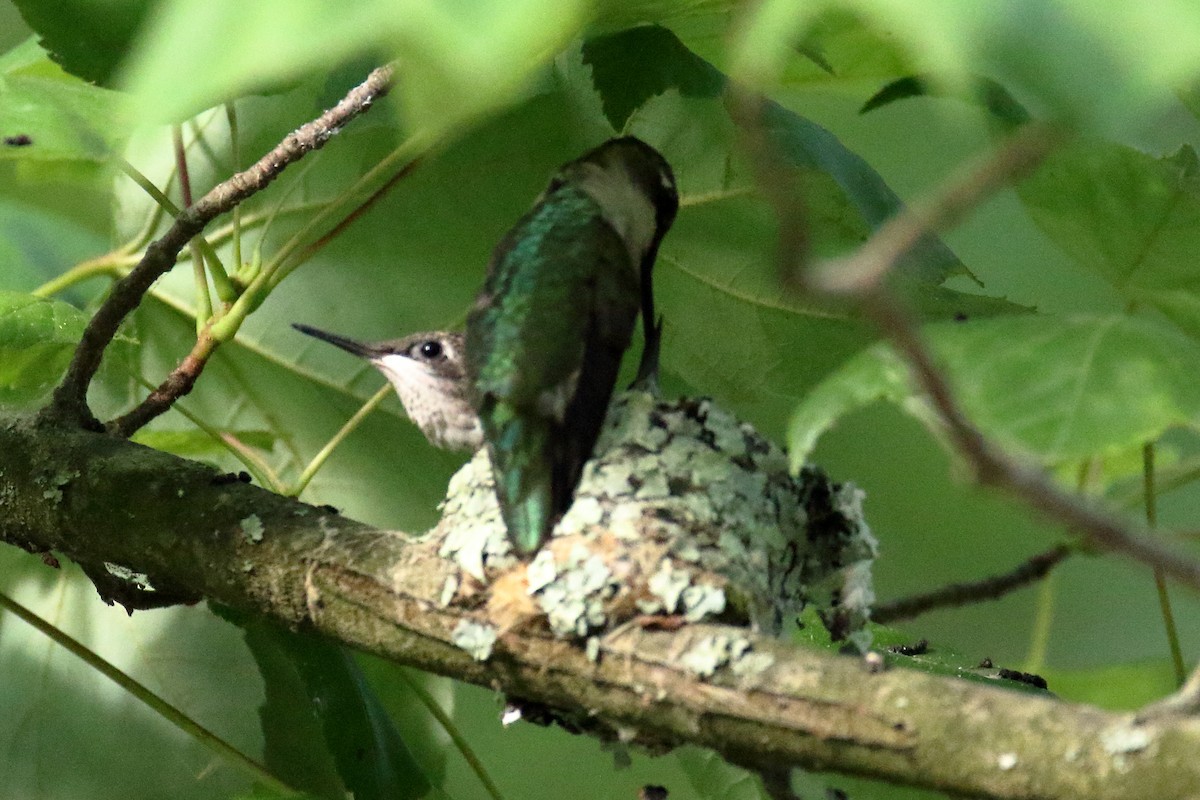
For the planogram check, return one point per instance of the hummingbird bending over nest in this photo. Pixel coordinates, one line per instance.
(546, 335)
(534, 373)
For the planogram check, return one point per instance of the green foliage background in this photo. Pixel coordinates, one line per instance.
(1080, 287)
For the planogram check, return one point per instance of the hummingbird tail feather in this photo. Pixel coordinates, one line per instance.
(522, 455)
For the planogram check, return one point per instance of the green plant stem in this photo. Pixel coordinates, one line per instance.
(109, 266)
(1039, 641)
(236, 152)
(1160, 581)
(464, 748)
(175, 716)
(204, 306)
(255, 466)
(405, 151)
(148, 187)
(320, 458)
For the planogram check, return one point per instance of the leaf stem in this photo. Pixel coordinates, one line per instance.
(443, 719)
(1160, 581)
(175, 716)
(320, 458)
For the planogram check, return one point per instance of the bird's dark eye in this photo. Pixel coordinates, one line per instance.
(430, 349)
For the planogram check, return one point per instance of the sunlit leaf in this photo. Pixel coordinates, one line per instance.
(456, 61)
(1128, 216)
(1057, 388)
(37, 337)
(48, 115)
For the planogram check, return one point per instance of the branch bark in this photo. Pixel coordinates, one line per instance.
(69, 404)
(105, 501)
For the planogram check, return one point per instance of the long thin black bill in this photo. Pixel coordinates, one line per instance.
(349, 345)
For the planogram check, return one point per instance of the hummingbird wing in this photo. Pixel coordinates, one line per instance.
(544, 344)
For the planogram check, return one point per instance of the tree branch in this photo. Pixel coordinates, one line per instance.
(103, 500)
(866, 268)
(960, 594)
(862, 277)
(69, 404)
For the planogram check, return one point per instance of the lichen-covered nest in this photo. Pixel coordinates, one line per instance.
(684, 513)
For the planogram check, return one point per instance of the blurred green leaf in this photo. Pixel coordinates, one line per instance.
(1104, 67)
(361, 748)
(808, 146)
(1057, 388)
(89, 38)
(984, 92)
(714, 779)
(455, 61)
(36, 244)
(197, 444)
(1117, 687)
(58, 117)
(37, 337)
(1130, 217)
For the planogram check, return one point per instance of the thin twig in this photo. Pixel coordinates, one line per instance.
(962, 192)
(959, 594)
(175, 716)
(994, 467)
(862, 277)
(174, 386)
(69, 404)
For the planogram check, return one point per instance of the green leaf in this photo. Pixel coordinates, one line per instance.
(984, 92)
(713, 778)
(361, 748)
(88, 37)
(57, 117)
(197, 444)
(808, 146)
(630, 67)
(1130, 217)
(456, 61)
(1105, 67)
(37, 337)
(35, 243)
(1057, 388)
(1118, 687)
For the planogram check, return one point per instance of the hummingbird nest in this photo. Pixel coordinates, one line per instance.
(683, 514)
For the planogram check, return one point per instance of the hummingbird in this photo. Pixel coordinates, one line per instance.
(426, 370)
(546, 335)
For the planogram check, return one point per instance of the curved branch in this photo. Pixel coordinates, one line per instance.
(101, 499)
(69, 404)
(961, 594)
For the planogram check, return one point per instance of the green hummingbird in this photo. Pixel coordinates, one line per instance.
(546, 335)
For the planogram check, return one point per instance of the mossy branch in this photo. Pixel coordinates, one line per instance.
(105, 501)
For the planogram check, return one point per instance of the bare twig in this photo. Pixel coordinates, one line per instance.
(69, 405)
(861, 277)
(1015, 158)
(959, 594)
(176, 385)
(993, 467)
(359, 210)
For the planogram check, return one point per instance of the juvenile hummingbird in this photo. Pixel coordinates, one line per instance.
(426, 370)
(546, 335)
